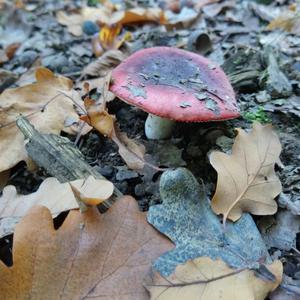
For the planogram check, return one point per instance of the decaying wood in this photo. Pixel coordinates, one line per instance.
(59, 157)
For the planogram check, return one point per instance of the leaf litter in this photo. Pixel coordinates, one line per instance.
(230, 29)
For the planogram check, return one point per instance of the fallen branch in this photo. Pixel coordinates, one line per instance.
(59, 157)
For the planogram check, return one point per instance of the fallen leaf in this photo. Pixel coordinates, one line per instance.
(14, 206)
(205, 279)
(186, 218)
(289, 21)
(108, 36)
(74, 21)
(130, 150)
(46, 106)
(90, 256)
(16, 29)
(246, 178)
(104, 63)
(185, 18)
(98, 117)
(136, 15)
(44, 74)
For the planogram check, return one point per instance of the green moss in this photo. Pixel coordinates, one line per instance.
(257, 115)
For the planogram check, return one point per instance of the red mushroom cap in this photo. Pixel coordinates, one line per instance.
(175, 84)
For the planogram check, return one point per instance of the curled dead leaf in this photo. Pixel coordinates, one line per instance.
(130, 150)
(92, 191)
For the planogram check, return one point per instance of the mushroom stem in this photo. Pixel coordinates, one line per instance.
(157, 128)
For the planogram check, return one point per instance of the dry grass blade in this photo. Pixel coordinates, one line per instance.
(246, 178)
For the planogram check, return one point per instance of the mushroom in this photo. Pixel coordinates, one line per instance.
(173, 85)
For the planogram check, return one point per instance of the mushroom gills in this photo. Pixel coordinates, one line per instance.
(157, 128)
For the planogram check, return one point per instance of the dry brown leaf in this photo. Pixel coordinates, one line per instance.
(130, 150)
(74, 21)
(105, 63)
(246, 178)
(43, 103)
(197, 280)
(91, 256)
(56, 196)
(288, 21)
(44, 74)
(98, 117)
(138, 14)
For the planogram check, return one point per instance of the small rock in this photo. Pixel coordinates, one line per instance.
(126, 174)
(122, 186)
(281, 232)
(55, 62)
(193, 150)
(90, 27)
(263, 97)
(27, 58)
(139, 190)
(106, 171)
(225, 143)
(7, 78)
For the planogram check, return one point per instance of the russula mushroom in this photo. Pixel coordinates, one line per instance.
(174, 85)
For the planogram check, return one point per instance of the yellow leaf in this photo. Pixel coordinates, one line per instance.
(246, 178)
(44, 74)
(205, 279)
(92, 255)
(108, 36)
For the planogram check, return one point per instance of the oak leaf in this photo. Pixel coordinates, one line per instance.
(14, 206)
(185, 216)
(246, 178)
(91, 256)
(44, 103)
(205, 279)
